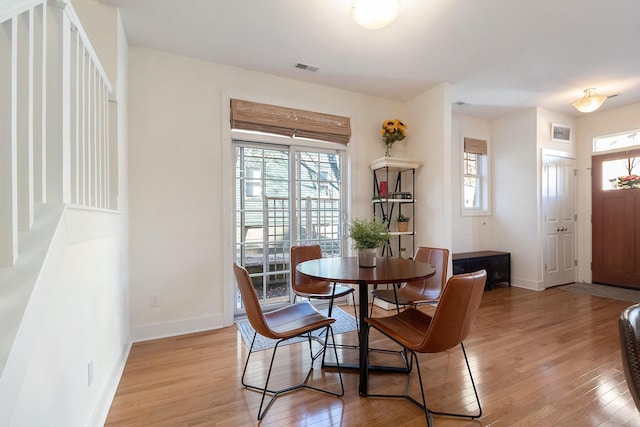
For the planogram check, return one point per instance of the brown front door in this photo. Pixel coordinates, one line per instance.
(615, 220)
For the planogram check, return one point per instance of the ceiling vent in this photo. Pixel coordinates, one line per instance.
(307, 67)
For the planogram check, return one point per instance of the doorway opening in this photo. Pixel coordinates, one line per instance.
(284, 195)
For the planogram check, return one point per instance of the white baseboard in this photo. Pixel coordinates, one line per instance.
(179, 327)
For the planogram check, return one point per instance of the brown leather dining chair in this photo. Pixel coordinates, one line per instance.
(420, 292)
(417, 332)
(315, 289)
(282, 324)
(629, 329)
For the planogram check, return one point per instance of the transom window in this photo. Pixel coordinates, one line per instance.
(616, 141)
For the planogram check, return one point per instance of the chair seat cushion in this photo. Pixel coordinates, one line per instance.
(407, 295)
(322, 290)
(408, 328)
(296, 319)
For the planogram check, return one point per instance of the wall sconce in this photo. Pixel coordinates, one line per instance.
(375, 14)
(591, 101)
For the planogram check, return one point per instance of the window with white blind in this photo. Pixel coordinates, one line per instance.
(475, 181)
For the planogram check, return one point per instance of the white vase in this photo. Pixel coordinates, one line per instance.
(367, 257)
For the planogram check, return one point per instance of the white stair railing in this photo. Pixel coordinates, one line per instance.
(55, 109)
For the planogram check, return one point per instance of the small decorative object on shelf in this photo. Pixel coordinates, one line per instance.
(400, 195)
(383, 188)
(392, 131)
(368, 236)
(403, 223)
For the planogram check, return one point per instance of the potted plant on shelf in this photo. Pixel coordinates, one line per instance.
(368, 236)
(403, 223)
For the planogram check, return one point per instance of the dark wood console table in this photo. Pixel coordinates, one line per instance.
(497, 264)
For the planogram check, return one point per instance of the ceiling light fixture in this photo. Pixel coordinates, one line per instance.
(375, 14)
(591, 101)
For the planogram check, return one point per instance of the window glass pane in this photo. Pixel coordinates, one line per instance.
(471, 163)
(319, 201)
(471, 192)
(262, 221)
(621, 173)
(614, 142)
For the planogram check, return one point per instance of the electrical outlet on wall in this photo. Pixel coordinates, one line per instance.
(154, 300)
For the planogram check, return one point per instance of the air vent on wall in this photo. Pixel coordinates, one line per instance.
(307, 67)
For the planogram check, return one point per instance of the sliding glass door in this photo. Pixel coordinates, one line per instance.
(284, 195)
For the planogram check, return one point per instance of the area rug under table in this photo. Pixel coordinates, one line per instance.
(345, 322)
(604, 291)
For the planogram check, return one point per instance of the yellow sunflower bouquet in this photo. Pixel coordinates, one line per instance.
(392, 131)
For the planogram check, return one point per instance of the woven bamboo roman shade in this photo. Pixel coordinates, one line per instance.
(247, 115)
(475, 146)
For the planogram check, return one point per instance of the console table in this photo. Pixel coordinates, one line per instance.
(497, 264)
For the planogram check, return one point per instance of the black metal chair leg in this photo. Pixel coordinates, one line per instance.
(395, 297)
(355, 312)
(428, 412)
(262, 410)
(475, 391)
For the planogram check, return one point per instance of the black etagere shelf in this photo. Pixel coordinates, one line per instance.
(393, 194)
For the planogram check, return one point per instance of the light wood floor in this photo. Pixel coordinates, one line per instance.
(547, 358)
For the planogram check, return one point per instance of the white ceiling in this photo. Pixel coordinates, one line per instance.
(498, 55)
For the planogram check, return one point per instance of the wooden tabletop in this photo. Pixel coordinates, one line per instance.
(346, 270)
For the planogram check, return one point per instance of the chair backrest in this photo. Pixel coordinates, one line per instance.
(455, 312)
(629, 328)
(439, 258)
(251, 301)
(300, 254)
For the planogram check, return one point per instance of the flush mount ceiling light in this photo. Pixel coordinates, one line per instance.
(591, 101)
(375, 14)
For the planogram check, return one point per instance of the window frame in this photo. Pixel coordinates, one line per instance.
(293, 146)
(483, 175)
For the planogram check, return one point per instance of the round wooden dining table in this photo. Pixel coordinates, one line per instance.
(347, 270)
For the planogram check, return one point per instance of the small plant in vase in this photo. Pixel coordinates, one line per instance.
(368, 236)
(403, 223)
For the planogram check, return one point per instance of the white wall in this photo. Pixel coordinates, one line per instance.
(590, 126)
(429, 116)
(83, 322)
(181, 168)
(515, 223)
